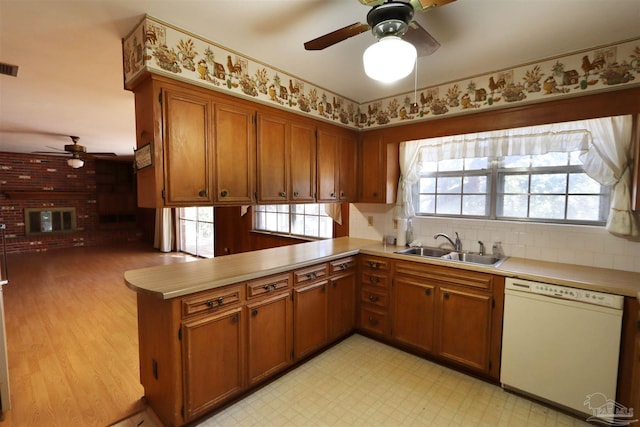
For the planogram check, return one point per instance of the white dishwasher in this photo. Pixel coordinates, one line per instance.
(560, 344)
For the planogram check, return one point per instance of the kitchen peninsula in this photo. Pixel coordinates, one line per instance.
(210, 330)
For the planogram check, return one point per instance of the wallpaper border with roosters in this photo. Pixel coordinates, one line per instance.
(157, 47)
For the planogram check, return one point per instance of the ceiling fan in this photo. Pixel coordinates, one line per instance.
(77, 151)
(384, 19)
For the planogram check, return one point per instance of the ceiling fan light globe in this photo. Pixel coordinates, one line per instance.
(75, 163)
(390, 59)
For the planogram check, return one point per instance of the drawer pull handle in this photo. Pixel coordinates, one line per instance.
(274, 285)
(373, 320)
(312, 275)
(209, 303)
(374, 264)
(374, 280)
(373, 298)
(220, 301)
(266, 288)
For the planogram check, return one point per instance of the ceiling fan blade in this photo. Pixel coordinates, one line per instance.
(336, 36)
(424, 42)
(51, 153)
(100, 154)
(421, 5)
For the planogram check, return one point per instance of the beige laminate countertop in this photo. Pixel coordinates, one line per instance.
(175, 280)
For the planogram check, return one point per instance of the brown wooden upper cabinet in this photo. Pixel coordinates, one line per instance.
(379, 170)
(175, 122)
(286, 159)
(234, 154)
(337, 164)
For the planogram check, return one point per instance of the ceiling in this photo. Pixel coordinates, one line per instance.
(70, 55)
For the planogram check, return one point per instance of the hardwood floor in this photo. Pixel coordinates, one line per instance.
(72, 335)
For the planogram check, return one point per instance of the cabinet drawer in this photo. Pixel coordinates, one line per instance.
(445, 275)
(375, 263)
(309, 274)
(211, 301)
(377, 297)
(342, 264)
(373, 278)
(374, 321)
(267, 285)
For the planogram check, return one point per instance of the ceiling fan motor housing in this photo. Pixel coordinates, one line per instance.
(390, 19)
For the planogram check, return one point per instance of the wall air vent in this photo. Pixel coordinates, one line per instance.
(8, 69)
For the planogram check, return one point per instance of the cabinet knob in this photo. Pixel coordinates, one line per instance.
(446, 295)
(296, 194)
(254, 312)
(374, 279)
(342, 194)
(333, 195)
(235, 318)
(375, 194)
(274, 285)
(209, 303)
(373, 320)
(283, 194)
(266, 288)
(427, 291)
(202, 193)
(373, 298)
(220, 301)
(224, 193)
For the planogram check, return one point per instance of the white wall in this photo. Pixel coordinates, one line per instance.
(572, 244)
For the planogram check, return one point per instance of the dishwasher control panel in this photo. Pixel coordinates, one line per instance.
(566, 292)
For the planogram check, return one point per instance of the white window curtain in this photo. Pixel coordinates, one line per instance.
(606, 143)
(164, 234)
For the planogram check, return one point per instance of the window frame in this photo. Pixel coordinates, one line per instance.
(259, 209)
(495, 174)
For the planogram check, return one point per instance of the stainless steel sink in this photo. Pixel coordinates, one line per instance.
(466, 257)
(424, 251)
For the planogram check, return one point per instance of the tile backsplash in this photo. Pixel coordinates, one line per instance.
(570, 244)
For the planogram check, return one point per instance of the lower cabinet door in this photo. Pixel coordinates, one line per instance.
(310, 318)
(212, 354)
(270, 335)
(342, 305)
(414, 313)
(465, 324)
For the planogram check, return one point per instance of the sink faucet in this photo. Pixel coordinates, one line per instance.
(457, 246)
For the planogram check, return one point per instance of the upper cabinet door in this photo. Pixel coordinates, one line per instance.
(327, 165)
(337, 164)
(272, 155)
(379, 170)
(302, 162)
(348, 170)
(187, 157)
(235, 154)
